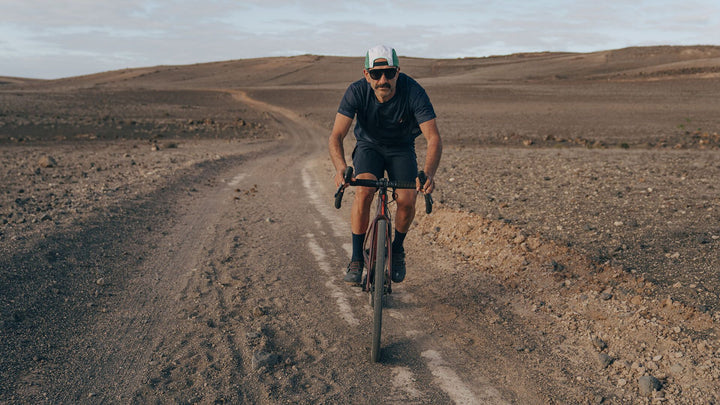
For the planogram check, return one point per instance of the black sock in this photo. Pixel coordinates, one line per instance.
(357, 247)
(397, 245)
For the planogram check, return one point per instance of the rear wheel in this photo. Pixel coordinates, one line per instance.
(378, 287)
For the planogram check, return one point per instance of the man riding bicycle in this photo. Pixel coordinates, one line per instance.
(392, 110)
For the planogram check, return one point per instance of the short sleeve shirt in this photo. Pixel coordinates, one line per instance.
(393, 123)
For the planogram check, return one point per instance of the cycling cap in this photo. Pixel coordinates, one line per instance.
(381, 52)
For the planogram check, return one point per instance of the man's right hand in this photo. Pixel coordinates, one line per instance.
(428, 187)
(340, 177)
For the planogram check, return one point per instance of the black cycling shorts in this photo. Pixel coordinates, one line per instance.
(400, 162)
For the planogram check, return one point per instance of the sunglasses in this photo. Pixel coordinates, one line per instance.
(376, 74)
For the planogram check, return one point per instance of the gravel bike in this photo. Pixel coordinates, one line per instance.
(377, 249)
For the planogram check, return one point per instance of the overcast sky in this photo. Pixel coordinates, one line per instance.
(61, 38)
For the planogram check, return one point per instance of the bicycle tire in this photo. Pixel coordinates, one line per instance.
(378, 288)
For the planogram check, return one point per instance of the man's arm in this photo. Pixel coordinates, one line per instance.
(434, 151)
(337, 151)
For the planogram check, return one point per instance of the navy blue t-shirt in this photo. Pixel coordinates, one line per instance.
(393, 123)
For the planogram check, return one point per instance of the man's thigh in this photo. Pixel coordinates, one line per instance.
(400, 162)
(368, 158)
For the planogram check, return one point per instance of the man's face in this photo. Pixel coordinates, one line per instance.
(383, 86)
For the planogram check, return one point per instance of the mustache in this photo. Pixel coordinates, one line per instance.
(383, 86)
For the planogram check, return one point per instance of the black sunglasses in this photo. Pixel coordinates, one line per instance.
(376, 74)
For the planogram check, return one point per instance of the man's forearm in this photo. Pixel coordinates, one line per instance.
(337, 153)
(335, 143)
(432, 157)
(434, 146)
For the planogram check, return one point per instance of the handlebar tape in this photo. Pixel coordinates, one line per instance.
(378, 183)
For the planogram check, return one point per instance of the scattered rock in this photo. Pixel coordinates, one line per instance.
(647, 384)
(264, 359)
(554, 266)
(599, 344)
(253, 335)
(100, 281)
(677, 369)
(605, 359)
(46, 161)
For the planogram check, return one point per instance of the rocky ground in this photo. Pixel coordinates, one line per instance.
(590, 201)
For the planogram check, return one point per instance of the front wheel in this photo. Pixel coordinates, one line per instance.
(378, 287)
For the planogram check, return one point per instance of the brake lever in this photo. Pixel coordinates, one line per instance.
(341, 190)
(428, 197)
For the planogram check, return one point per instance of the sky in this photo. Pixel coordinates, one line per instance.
(60, 38)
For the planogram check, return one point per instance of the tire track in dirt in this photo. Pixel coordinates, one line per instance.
(341, 298)
(224, 348)
(191, 351)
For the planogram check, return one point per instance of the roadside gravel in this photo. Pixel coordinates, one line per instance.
(655, 213)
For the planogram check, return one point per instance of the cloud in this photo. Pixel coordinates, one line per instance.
(42, 38)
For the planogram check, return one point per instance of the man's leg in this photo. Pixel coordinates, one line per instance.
(369, 164)
(360, 215)
(404, 216)
(405, 209)
(402, 166)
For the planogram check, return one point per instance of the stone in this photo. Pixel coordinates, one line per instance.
(264, 359)
(46, 161)
(647, 384)
(599, 344)
(605, 360)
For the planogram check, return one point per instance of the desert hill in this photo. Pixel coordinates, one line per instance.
(645, 96)
(629, 63)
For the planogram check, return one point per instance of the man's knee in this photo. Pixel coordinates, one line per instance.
(364, 195)
(406, 201)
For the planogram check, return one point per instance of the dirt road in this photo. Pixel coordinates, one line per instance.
(225, 287)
